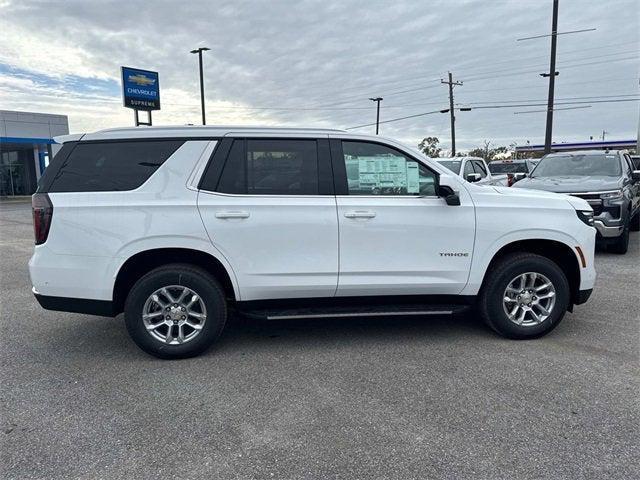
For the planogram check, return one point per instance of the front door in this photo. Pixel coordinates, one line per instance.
(397, 237)
(271, 212)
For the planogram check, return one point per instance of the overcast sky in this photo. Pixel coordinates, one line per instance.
(315, 63)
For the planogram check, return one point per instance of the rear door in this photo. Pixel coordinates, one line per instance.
(397, 237)
(268, 206)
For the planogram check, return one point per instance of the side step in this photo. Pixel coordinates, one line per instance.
(353, 312)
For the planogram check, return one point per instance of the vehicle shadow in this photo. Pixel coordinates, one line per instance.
(107, 337)
(242, 329)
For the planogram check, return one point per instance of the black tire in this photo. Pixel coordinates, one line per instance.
(621, 244)
(490, 302)
(634, 225)
(208, 289)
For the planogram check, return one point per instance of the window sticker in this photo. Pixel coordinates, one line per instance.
(382, 173)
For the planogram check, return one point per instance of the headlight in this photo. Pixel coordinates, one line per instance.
(586, 216)
(613, 195)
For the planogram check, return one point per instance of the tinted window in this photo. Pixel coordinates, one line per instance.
(479, 168)
(234, 176)
(374, 169)
(57, 160)
(107, 166)
(468, 168)
(453, 165)
(578, 165)
(271, 167)
(500, 167)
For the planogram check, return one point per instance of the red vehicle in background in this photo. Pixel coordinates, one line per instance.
(511, 167)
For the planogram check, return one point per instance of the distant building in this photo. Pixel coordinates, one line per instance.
(26, 145)
(591, 145)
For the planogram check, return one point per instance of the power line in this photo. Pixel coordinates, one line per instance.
(555, 109)
(596, 97)
(564, 64)
(556, 34)
(521, 72)
(376, 85)
(557, 103)
(473, 78)
(446, 110)
(398, 119)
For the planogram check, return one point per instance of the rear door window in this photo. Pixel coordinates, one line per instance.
(107, 166)
(271, 167)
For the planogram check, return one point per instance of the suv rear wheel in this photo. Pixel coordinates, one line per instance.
(175, 311)
(524, 296)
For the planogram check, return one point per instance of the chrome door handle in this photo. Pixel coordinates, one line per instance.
(360, 214)
(232, 214)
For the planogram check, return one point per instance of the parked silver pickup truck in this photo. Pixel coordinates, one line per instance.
(474, 170)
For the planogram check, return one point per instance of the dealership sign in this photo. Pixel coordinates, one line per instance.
(140, 89)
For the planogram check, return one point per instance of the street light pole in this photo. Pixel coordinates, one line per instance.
(199, 52)
(377, 100)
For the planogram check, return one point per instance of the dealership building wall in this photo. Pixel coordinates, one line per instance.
(26, 145)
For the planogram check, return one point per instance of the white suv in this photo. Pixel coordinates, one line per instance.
(175, 225)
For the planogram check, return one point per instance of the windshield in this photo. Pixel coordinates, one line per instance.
(453, 165)
(578, 165)
(519, 167)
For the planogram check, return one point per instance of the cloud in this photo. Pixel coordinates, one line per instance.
(316, 63)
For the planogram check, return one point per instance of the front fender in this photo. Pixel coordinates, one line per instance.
(484, 255)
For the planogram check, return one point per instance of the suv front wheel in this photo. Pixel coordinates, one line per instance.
(175, 311)
(621, 244)
(524, 296)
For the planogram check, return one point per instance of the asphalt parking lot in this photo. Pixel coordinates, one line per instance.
(376, 398)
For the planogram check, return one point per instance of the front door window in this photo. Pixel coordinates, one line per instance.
(374, 169)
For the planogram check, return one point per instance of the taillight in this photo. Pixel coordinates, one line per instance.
(42, 212)
(509, 180)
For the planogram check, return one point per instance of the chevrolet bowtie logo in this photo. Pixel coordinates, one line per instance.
(141, 79)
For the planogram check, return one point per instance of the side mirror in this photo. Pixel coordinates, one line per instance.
(473, 177)
(635, 175)
(451, 197)
(519, 176)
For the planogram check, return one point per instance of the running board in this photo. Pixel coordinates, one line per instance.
(354, 312)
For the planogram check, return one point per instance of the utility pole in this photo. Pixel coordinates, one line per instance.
(451, 84)
(552, 79)
(604, 132)
(377, 100)
(199, 52)
(552, 70)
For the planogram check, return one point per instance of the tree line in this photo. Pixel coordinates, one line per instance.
(430, 146)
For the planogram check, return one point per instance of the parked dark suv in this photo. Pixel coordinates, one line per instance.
(608, 180)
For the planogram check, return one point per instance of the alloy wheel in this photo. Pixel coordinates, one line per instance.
(529, 299)
(174, 314)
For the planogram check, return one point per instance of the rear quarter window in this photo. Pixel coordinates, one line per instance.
(106, 166)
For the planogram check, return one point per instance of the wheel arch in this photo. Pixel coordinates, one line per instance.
(560, 253)
(143, 262)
